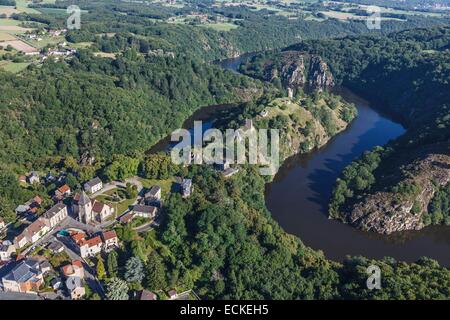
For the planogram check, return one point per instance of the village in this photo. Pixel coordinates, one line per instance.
(55, 253)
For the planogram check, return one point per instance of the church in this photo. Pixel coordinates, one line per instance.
(90, 211)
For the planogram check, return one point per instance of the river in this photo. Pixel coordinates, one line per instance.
(299, 194)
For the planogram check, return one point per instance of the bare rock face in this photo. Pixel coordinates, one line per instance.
(300, 69)
(385, 212)
(319, 74)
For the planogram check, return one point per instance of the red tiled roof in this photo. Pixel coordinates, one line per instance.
(22, 178)
(67, 270)
(77, 263)
(37, 200)
(63, 189)
(78, 236)
(109, 235)
(91, 242)
(126, 218)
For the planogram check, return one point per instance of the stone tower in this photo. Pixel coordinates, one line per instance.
(85, 208)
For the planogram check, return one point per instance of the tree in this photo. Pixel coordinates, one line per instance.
(134, 270)
(112, 264)
(101, 273)
(155, 272)
(117, 289)
(6, 210)
(72, 181)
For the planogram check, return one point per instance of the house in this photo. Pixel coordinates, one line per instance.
(31, 206)
(33, 177)
(172, 294)
(62, 191)
(32, 233)
(94, 185)
(55, 215)
(186, 188)
(56, 247)
(26, 276)
(22, 209)
(56, 283)
(49, 178)
(90, 247)
(77, 237)
(90, 211)
(148, 295)
(127, 217)
(145, 211)
(6, 250)
(75, 269)
(22, 179)
(110, 240)
(45, 267)
(229, 172)
(154, 194)
(36, 201)
(75, 287)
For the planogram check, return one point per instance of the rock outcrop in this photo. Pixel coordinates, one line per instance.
(298, 70)
(388, 212)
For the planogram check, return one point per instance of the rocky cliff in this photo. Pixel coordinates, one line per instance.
(297, 70)
(403, 207)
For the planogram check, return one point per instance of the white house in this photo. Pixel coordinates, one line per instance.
(110, 240)
(93, 185)
(6, 250)
(55, 215)
(90, 247)
(33, 177)
(32, 233)
(145, 211)
(153, 194)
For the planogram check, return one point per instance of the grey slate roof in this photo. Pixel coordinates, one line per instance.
(54, 210)
(25, 270)
(93, 182)
(73, 283)
(84, 199)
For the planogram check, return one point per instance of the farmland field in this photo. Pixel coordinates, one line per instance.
(8, 10)
(19, 46)
(6, 36)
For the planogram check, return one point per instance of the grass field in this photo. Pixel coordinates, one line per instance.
(9, 22)
(22, 6)
(13, 66)
(220, 26)
(119, 207)
(166, 185)
(46, 41)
